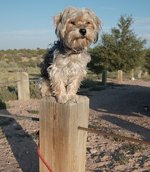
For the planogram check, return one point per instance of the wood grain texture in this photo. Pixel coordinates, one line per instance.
(23, 86)
(62, 145)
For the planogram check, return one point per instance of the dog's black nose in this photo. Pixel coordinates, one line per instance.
(82, 32)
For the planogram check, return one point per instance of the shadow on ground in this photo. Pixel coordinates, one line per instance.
(22, 144)
(124, 100)
(144, 132)
(118, 105)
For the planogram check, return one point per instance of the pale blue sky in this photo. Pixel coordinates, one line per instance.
(29, 23)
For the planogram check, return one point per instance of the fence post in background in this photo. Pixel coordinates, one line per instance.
(120, 76)
(132, 75)
(140, 74)
(104, 77)
(145, 74)
(62, 144)
(23, 86)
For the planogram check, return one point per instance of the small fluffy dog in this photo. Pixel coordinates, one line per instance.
(64, 65)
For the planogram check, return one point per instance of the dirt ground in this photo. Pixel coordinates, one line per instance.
(121, 109)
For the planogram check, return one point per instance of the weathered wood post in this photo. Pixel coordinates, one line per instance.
(139, 74)
(23, 86)
(120, 76)
(62, 144)
(132, 75)
(104, 77)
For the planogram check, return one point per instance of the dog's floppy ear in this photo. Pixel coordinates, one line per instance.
(96, 38)
(57, 22)
(98, 25)
(57, 19)
(97, 21)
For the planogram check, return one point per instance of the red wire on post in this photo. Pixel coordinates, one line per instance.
(43, 160)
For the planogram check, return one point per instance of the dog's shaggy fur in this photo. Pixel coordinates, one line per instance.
(64, 65)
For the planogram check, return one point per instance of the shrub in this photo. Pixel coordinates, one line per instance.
(34, 90)
(2, 105)
(8, 93)
(11, 93)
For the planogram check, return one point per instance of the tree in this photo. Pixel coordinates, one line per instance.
(119, 50)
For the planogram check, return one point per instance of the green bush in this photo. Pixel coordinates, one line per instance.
(34, 90)
(11, 93)
(2, 105)
(8, 93)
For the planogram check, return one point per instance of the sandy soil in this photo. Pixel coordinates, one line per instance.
(122, 109)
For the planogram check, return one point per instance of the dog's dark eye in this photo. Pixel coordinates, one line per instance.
(72, 22)
(87, 22)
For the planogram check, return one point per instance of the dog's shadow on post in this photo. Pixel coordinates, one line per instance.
(22, 144)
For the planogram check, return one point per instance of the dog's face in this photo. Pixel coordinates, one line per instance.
(77, 28)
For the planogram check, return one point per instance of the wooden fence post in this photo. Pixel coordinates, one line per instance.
(120, 76)
(132, 75)
(62, 144)
(23, 86)
(139, 74)
(104, 77)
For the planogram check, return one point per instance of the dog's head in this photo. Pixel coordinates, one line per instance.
(77, 28)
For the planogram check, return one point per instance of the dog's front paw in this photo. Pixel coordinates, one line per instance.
(73, 98)
(62, 99)
(44, 87)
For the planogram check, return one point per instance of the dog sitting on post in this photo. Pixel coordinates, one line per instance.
(64, 65)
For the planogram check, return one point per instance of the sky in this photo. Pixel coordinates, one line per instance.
(29, 23)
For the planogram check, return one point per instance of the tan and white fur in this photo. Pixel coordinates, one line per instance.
(64, 65)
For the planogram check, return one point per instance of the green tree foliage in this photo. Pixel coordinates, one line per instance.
(119, 50)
